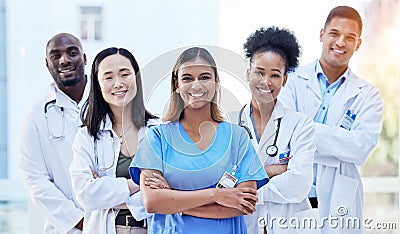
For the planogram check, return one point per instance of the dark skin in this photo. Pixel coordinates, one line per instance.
(66, 62)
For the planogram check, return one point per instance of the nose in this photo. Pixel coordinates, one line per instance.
(196, 84)
(267, 81)
(340, 41)
(65, 59)
(118, 83)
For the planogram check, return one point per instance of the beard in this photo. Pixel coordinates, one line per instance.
(70, 82)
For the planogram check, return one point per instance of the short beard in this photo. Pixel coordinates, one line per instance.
(71, 82)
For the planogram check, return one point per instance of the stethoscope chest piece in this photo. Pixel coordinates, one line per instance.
(272, 150)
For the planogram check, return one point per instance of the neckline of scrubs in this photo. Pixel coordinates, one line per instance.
(189, 140)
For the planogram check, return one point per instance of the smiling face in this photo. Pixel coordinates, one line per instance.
(340, 39)
(266, 76)
(117, 80)
(65, 60)
(196, 83)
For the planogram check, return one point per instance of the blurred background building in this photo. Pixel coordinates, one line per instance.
(155, 31)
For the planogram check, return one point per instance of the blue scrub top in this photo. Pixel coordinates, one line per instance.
(168, 149)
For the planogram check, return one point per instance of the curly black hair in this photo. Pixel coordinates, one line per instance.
(277, 40)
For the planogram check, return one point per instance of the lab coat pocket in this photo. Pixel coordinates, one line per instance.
(308, 221)
(343, 195)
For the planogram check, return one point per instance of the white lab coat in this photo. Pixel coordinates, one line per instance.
(339, 151)
(44, 162)
(98, 196)
(285, 195)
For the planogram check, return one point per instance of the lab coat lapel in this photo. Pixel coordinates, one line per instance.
(267, 138)
(106, 142)
(340, 102)
(246, 121)
(308, 74)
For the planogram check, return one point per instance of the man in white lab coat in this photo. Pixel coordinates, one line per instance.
(347, 113)
(45, 149)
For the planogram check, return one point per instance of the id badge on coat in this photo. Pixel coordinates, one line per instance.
(348, 120)
(229, 179)
(284, 157)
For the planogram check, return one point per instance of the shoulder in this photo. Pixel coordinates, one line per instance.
(153, 122)
(297, 116)
(237, 132)
(357, 81)
(82, 135)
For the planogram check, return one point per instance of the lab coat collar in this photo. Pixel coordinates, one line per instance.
(106, 125)
(351, 87)
(309, 74)
(271, 126)
(63, 100)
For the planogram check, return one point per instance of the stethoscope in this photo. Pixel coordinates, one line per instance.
(96, 155)
(272, 150)
(47, 107)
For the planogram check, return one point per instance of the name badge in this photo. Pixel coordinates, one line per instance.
(284, 157)
(228, 179)
(348, 120)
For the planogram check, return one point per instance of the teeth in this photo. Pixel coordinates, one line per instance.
(338, 51)
(119, 93)
(65, 71)
(196, 94)
(264, 90)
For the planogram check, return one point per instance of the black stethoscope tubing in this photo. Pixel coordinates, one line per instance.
(46, 107)
(272, 150)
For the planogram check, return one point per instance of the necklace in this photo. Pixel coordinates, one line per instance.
(121, 137)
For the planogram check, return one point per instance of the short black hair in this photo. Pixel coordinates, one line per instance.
(278, 40)
(345, 12)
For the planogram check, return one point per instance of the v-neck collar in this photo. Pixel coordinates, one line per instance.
(190, 141)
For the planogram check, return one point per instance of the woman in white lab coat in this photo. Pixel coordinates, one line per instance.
(114, 121)
(283, 138)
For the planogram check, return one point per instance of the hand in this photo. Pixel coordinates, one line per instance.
(157, 182)
(275, 169)
(242, 199)
(133, 188)
(79, 225)
(95, 175)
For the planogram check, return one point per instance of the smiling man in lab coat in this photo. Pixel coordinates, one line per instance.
(45, 149)
(347, 113)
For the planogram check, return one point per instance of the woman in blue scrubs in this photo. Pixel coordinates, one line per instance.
(209, 164)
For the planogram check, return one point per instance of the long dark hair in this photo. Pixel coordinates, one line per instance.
(96, 108)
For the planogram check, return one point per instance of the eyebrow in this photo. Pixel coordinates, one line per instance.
(335, 30)
(204, 73)
(274, 69)
(120, 70)
(68, 49)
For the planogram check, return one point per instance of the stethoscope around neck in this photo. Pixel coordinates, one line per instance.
(47, 107)
(96, 154)
(272, 150)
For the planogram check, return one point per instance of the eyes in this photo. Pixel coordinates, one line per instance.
(71, 52)
(124, 75)
(349, 38)
(189, 78)
(272, 75)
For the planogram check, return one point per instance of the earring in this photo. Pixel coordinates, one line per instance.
(177, 90)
